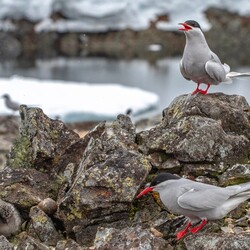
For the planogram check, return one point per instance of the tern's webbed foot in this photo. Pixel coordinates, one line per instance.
(182, 233)
(200, 226)
(198, 90)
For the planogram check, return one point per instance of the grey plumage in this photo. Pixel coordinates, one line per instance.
(197, 201)
(199, 63)
(14, 106)
(10, 220)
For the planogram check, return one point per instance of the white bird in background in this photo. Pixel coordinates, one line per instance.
(199, 63)
(14, 106)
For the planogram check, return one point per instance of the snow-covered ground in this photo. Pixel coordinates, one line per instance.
(103, 15)
(72, 101)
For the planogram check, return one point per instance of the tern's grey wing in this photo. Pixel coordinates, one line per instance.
(215, 70)
(183, 71)
(12, 105)
(203, 199)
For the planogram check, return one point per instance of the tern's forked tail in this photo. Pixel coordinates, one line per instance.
(237, 74)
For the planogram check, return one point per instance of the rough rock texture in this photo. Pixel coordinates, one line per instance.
(42, 227)
(239, 173)
(107, 179)
(5, 244)
(132, 238)
(215, 241)
(202, 129)
(28, 242)
(28, 176)
(79, 193)
(41, 141)
(68, 244)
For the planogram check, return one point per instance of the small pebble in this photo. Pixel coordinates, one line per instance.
(48, 205)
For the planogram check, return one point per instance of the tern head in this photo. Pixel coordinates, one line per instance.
(192, 30)
(159, 183)
(190, 25)
(5, 96)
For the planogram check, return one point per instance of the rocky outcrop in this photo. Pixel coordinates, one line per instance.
(206, 134)
(79, 193)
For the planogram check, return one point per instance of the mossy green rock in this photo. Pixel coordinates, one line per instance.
(107, 179)
(41, 142)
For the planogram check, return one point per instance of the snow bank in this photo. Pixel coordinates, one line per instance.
(103, 15)
(60, 98)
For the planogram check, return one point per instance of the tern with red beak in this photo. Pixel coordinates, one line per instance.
(199, 202)
(199, 63)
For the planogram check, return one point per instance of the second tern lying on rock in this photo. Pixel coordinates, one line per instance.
(195, 200)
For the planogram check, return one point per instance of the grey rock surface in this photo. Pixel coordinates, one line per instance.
(28, 242)
(128, 238)
(217, 241)
(42, 227)
(5, 244)
(195, 129)
(108, 177)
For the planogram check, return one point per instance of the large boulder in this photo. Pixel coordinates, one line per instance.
(201, 129)
(106, 181)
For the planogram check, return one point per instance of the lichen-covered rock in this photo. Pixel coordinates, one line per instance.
(5, 244)
(28, 242)
(217, 241)
(238, 173)
(107, 179)
(42, 140)
(128, 238)
(68, 245)
(26, 188)
(42, 227)
(195, 129)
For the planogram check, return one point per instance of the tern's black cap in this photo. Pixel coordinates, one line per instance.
(163, 177)
(193, 23)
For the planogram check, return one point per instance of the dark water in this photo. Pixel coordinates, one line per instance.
(161, 77)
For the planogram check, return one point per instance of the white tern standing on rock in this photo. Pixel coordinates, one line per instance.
(199, 63)
(197, 201)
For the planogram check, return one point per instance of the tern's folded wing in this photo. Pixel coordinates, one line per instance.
(216, 71)
(199, 200)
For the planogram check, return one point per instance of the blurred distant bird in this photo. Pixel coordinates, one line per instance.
(199, 63)
(14, 106)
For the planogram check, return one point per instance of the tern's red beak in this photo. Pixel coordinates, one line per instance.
(186, 27)
(145, 191)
